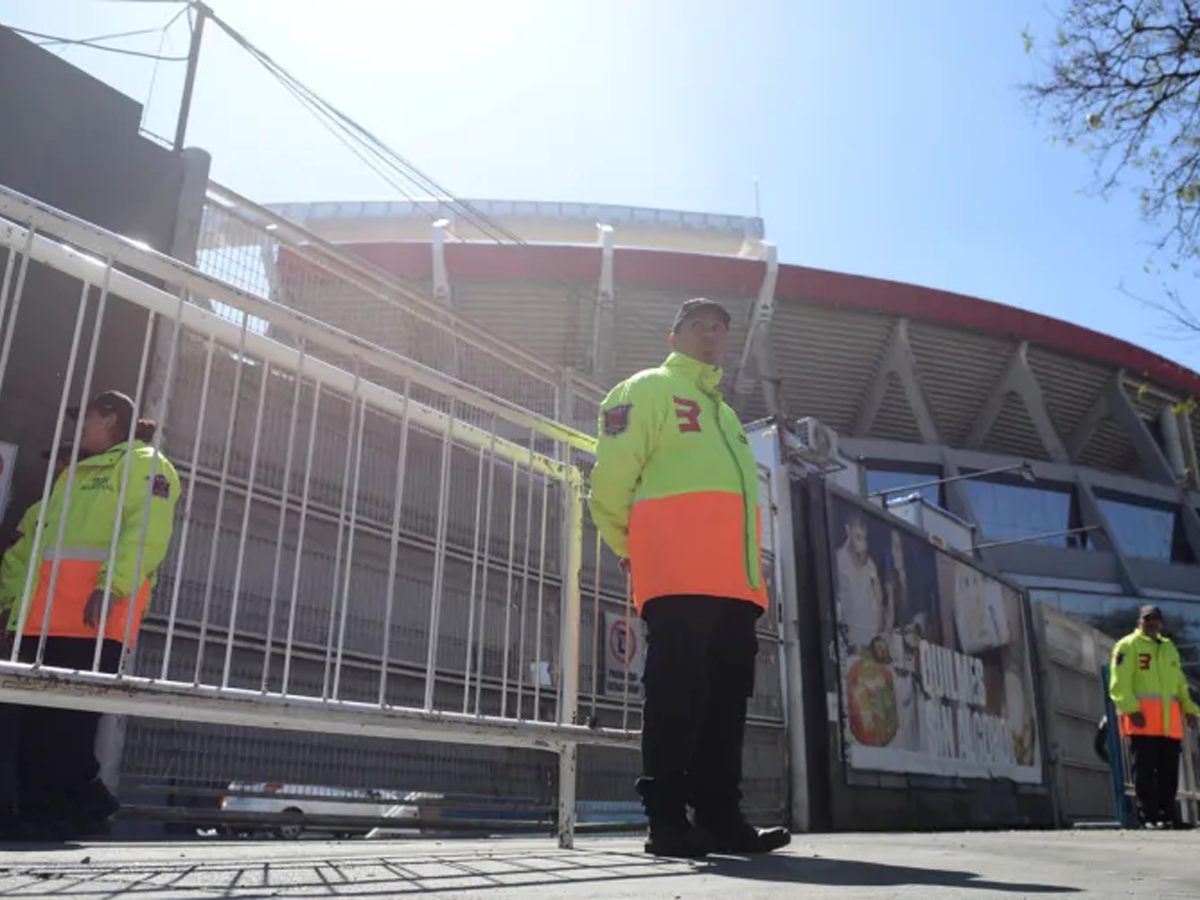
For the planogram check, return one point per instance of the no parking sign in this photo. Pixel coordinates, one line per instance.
(624, 653)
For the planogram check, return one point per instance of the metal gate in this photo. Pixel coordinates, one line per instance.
(364, 546)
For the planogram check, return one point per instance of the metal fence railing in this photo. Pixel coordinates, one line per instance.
(364, 545)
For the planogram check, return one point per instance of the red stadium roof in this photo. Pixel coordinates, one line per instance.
(728, 275)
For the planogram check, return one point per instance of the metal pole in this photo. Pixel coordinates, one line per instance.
(1024, 468)
(189, 81)
(788, 595)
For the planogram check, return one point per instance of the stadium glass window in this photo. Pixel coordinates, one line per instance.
(1144, 529)
(1116, 616)
(895, 478)
(1012, 511)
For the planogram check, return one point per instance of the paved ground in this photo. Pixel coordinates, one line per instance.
(1083, 864)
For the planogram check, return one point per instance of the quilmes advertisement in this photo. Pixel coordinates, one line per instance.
(934, 657)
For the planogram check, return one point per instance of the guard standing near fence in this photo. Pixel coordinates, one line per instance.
(1149, 689)
(114, 534)
(675, 495)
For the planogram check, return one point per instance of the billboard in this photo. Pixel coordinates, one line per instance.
(934, 657)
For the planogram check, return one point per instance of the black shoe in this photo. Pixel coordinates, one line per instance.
(676, 838)
(737, 837)
(93, 807)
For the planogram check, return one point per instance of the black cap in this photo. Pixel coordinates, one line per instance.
(1150, 611)
(111, 403)
(694, 307)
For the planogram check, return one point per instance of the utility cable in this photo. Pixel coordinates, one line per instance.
(91, 45)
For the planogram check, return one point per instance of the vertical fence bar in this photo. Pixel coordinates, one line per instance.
(525, 580)
(353, 527)
(394, 549)
(475, 572)
(18, 292)
(481, 656)
(630, 646)
(47, 489)
(572, 536)
(222, 490)
(439, 561)
(139, 557)
(239, 566)
(284, 501)
(341, 535)
(181, 550)
(597, 642)
(299, 558)
(541, 604)
(512, 556)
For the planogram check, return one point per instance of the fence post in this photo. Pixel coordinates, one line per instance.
(1126, 815)
(571, 617)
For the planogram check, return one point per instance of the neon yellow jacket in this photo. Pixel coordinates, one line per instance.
(1146, 676)
(87, 536)
(675, 486)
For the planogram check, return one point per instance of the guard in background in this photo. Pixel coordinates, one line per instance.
(60, 789)
(1150, 691)
(674, 493)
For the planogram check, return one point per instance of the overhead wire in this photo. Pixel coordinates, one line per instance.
(396, 170)
(164, 36)
(90, 44)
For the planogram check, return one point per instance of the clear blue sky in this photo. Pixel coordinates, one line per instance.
(889, 138)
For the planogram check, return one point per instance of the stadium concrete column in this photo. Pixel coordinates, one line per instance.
(1018, 378)
(185, 240)
(604, 355)
(898, 360)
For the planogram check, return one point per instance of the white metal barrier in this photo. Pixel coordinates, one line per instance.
(364, 545)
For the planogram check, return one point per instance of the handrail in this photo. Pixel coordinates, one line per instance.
(383, 285)
(18, 207)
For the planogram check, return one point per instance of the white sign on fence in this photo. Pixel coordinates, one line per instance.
(624, 654)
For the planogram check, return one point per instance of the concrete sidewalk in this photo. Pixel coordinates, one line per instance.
(1084, 864)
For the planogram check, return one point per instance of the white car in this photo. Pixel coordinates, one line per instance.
(298, 801)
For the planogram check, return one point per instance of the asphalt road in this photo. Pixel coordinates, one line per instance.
(1079, 864)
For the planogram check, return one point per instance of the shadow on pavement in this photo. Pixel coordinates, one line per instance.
(449, 872)
(851, 873)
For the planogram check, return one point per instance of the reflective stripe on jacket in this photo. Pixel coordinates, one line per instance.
(675, 486)
(1146, 677)
(83, 561)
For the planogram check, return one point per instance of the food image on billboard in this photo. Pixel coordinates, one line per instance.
(936, 675)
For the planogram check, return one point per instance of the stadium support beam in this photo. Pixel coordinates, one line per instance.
(1018, 378)
(1154, 462)
(604, 360)
(756, 350)
(898, 360)
(1091, 515)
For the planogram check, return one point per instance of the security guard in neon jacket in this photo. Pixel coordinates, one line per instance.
(674, 493)
(1148, 688)
(59, 774)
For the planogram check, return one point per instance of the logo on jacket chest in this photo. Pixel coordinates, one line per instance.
(101, 481)
(687, 415)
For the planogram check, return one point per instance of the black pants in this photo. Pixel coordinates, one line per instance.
(1156, 776)
(48, 756)
(699, 678)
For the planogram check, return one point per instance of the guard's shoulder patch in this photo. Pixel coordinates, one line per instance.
(616, 419)
(1120, 658)
(161, 487)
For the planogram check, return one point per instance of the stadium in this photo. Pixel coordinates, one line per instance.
(919, 385)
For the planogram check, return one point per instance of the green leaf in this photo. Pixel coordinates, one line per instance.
(1027, 39)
